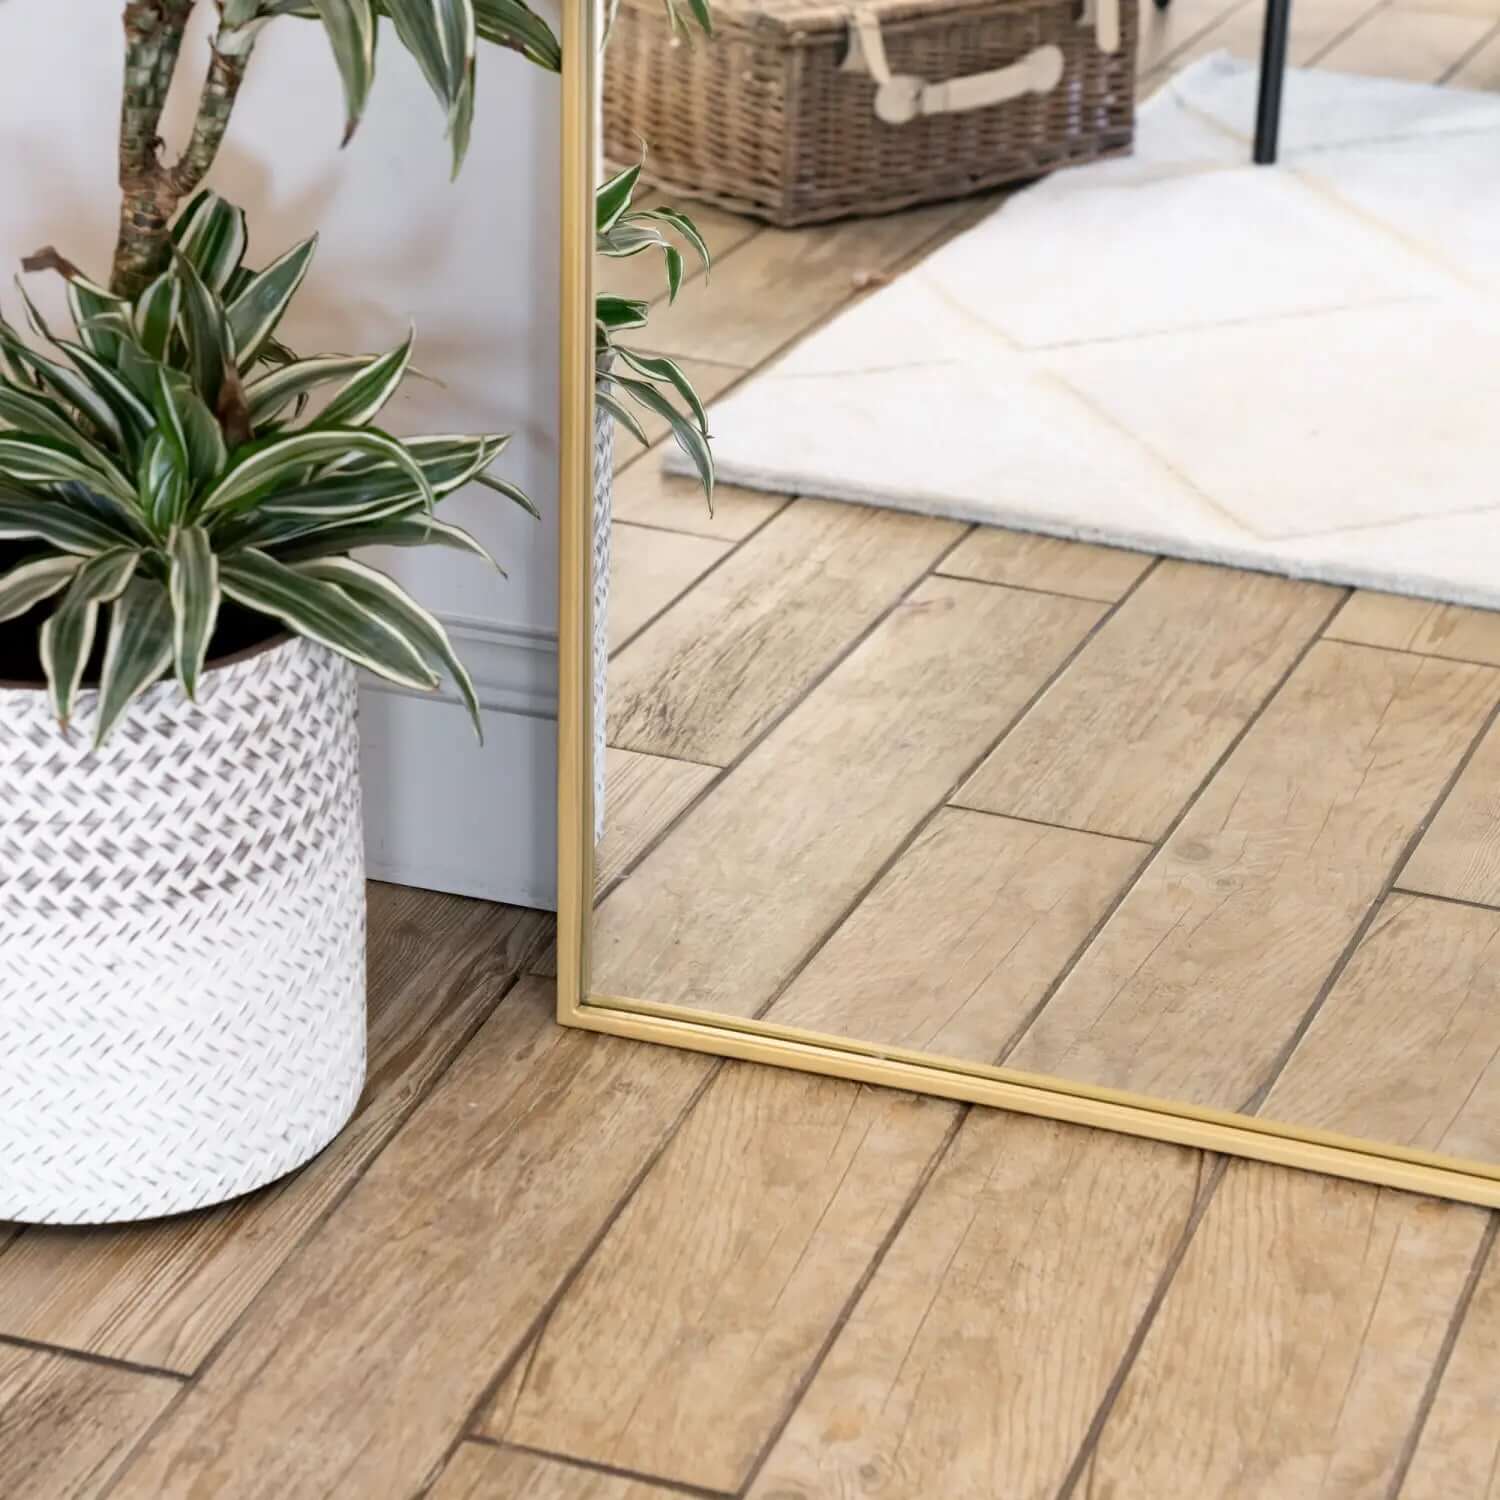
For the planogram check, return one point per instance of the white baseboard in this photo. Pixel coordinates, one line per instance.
(447, 814)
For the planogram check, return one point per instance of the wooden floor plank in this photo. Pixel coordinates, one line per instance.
(480, 1472)
(1133, 726)
(1026, 560)
(648, 570)
(1314, 29)
(1166, 33)
(708, 678)
(1459, 856)
(1458, 1453)
(957, 944)
(65, 1423)
(644, 795)
(162, 1294)
(1200, 979)
(1421, 625)
(1415, 45)
(358, 1366)
(978, 1355)
(722, 910)
(1406, 1049)
(687, 1337)
(1293, 1348)
(1482, 69)
(775, 287)
(645, 496)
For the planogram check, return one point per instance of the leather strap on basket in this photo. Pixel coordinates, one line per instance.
(902, 97)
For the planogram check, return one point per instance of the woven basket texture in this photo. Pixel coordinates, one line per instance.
(761, 118)
(182, 941)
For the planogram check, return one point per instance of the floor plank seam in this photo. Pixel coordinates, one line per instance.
(1028, 588)
(613, 1471)
(1076, 957)
(1258, 1097)
(1089, 1443)
(1451, 72)
(1440, 1364)
(469, 1423)
(313, 1229)
(1093, 833)
(1406, 890)
(1462, 661)
(707, 573)
(89, 1357)
(922, 824)
(835, 661)
(846, 1311)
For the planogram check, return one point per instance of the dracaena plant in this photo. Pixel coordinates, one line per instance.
(168, 458)
(442, 35)
(627, 377)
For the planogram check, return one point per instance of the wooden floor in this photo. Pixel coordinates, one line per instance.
(544, 1264)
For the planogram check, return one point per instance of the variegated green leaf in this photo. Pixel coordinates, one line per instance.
(28, 584)
(617, 314)
(44, 460)
(269, 394)
(163, 485)
(92, 307)
(210, 234)
(613, 198)
(685, 227)
(156, 313)
(689, 437)
(509, 23)
(206, 331)
(622, 414)
(512, 492)
(256, 311)
(58, 524)
(401, 531)
(194, 588)
(389, 602)
(31, 411)
(323, 612)
(68, 384)
(350, 25)
(134, 415)
(659, 368)
(190, 429)
(67, 637)
(361, 400)
(137, 651)
(449, 460)
(281, 461)
(442, 35)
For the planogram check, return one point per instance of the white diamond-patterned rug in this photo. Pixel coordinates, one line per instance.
(1293, 368)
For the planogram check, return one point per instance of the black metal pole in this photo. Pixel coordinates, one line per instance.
(1272, 72)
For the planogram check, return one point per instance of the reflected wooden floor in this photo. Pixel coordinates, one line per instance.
(552, 1266)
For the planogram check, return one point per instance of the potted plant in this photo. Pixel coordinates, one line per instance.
(182, 1013)
(181, 618)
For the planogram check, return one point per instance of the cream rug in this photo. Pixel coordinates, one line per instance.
(1295, 369)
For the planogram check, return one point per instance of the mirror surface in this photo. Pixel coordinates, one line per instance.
(1087, 667)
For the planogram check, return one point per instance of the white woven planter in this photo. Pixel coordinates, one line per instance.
(182, 989)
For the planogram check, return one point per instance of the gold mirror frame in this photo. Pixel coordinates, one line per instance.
(789, 1047)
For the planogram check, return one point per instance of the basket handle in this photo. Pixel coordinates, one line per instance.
(902, 97)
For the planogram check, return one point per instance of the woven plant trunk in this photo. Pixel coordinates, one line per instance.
(182, 940)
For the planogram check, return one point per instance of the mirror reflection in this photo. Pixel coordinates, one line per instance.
(1086, 666)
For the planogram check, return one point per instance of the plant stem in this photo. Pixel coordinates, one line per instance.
(153, 38)
(150, 190)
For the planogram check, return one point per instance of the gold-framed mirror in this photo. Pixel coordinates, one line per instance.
(1154, 799)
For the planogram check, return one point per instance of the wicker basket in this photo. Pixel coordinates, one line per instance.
(776, 115)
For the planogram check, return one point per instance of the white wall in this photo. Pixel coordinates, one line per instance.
(473, 264)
